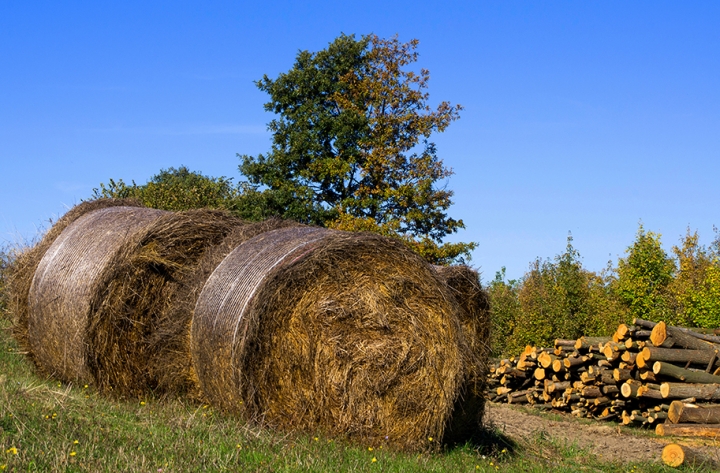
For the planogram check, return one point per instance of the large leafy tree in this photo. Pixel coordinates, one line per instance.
(351, 145)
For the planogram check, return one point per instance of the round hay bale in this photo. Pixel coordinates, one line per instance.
(67, 278)
(132, 329)
(347, 333)
(464, 284)
(169, 343)
(23, 267)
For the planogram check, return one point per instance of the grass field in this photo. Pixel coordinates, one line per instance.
(50, 426)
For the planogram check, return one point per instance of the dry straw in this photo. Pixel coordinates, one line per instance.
(347, 333)
(66, 280)
(23, 267)
(464, 284)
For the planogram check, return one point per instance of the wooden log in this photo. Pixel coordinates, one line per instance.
(680, 413)
(586, 343)
(647, 392)
(546, 359)
(644, 323)
(519, 397)
(630, 388)
(558, 366)
(688, 430)
(591, 392)
(703, 357)
(668, 369)
(675, 455)
(665, 336)
(708, 335)
(573, 362)
(610, 390)
(642, 335)
(647, 375)
(564, 343)
(557, 387)
(621, 375)
(622, 332)
(705, 392)
(539, 374)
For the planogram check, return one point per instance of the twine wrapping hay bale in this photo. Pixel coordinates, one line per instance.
(169, 343)
(464, 284)
(131, 331)
(348, 333)
(67, 278)
(24, 266)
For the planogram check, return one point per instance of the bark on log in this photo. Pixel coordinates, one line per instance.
(644, 323)
(689, 430)
(678, 355)
(668, 369)
(705, 392)
(679, 413)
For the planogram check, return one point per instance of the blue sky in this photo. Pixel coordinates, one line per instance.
(583, 117)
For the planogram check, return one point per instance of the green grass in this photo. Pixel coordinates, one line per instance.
(50, 426)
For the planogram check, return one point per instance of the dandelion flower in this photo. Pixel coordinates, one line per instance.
(85, 387)
(2, 467)
(374, 459)
(72, 454)
(12, 450)
(316, 439)
(238, 446)
(370, 449)
(142, 403)
(75, 442)
(430, 439)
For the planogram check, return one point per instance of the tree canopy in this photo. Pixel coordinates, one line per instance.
(351, 149)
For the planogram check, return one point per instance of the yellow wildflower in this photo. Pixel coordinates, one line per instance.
(370, 449)
(75, 442)
(12, 450)
(72, 454)
(430, 439)
(374, 459)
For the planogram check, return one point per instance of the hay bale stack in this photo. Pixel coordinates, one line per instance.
(23, 267)
(464, 284)
(347, 333)
(131, 329)
(170, 341)
(67, 278)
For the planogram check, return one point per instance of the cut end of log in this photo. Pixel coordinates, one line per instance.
(675, 455)
(658, 334)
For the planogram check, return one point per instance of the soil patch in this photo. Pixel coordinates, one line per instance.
(608, 441)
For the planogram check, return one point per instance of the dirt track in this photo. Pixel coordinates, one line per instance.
(604, 439)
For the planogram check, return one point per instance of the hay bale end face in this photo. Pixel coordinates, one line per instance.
(24, 266)
(348, 333)
(137, 328)
(67, 278)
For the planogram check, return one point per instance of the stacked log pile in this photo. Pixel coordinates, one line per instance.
(631, 377)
